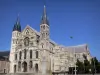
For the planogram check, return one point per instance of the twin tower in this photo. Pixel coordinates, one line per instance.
(44, 26)
(17, 40)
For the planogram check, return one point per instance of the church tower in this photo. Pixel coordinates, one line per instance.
(44, 27)
(44, 42)
(14, 42)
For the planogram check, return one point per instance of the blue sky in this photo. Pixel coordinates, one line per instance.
(77, 18)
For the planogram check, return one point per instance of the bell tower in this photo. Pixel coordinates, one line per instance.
(44, 26)
(44, 42)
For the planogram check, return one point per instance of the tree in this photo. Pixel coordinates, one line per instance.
(98, 67)
(86, 64)
(80, 67)
(95, 65)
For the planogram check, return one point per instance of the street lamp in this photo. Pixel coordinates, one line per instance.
(75, 61)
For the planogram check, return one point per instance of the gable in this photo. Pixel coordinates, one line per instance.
(29, 31)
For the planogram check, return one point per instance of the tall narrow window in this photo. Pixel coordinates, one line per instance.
(43, 27)
(14, 68)
(19, 66)
(42, 45)
(36, 54)
(46, 34)
(15, 56)
(30, 64)
(30, 54)
(25, 53)
(37, 41)
(36, 67)
(20, 55)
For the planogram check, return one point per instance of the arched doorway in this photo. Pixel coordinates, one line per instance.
(24, 66)
(36, 67)
(14, 68)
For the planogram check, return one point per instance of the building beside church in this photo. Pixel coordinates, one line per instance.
(4, 62)
(34, 52)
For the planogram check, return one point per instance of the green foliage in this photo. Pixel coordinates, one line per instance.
(80, 66)
(83, 67)
(95, 65)
(87, 67)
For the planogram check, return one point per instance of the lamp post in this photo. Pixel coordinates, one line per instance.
(75, 61)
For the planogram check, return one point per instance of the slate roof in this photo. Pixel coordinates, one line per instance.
(78, 48)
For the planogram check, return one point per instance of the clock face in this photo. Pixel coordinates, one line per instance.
(26, 41)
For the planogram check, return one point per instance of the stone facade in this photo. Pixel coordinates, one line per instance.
(34, 52)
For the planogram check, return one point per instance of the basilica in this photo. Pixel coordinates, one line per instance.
(34, 52)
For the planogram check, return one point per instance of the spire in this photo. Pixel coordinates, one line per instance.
(44, 17)
(17, 26)
(18, 19)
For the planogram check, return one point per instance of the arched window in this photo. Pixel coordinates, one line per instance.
(36, 67)
(26, 41)
(25, 53)
(30, 63)
(20, 55)
(15, 56)
(36, 54)
(30, 54)
(19, 66)
(43, 27)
